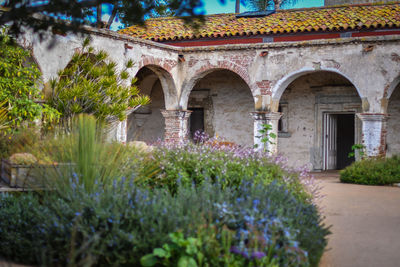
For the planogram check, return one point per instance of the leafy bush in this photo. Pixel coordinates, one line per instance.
(19, 88)
(228, 164)
(91, 84)
(121, 224)
(373, 171)
(111, 206)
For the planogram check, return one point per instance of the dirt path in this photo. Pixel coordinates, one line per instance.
(365, 224)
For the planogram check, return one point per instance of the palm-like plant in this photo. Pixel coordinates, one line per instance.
(266, 4)
(91, 84)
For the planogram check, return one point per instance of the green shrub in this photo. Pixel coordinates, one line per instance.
(373, 171)
(91, 84)
(19, 78)
(192, 163)
(120, 224)
(113, 205)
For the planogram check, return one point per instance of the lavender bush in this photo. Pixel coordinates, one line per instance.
(192, 163)
(229, 206)
(121, 224)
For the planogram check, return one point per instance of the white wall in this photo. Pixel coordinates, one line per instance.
(302, 145)
(147, 124)
(232, 103)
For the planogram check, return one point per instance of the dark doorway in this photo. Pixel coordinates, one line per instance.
(345, 139)
(196, 120)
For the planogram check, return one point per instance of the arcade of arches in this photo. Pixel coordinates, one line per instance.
(317, 121)
(319, 96)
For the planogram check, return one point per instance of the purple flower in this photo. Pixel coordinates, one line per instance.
(258, 255)
(235, 250)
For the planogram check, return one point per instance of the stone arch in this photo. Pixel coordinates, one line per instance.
(221, 103)
(167, 83)
(283, 83)
(393, 122)
(147, 123)
(189, 83)
(319, 122)
(392, 87)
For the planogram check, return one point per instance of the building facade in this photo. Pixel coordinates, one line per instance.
(324, 78)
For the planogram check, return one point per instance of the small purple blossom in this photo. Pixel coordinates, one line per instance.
(258, 255)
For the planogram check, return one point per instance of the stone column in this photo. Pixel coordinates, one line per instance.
(261, 118)
(122, 134)
(176, 125)
(373, 133)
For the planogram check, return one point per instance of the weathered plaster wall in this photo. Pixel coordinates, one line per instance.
(306, 98)
(147, 124)
(393, 124)
(232, 103)
(370, 63)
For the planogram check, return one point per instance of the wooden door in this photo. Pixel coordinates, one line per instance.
(330, 141)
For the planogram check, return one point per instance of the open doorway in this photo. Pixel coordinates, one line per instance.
(339, 137)
(196, 120)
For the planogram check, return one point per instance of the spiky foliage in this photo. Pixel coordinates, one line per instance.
(91, 84)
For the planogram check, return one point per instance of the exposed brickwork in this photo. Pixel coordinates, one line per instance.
(383, 147)
(166, 64)
(265, 87)
(237, 64)
(176, 125)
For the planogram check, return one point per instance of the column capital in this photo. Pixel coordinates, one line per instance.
(372, 116)
(266, 116)
(176, 113)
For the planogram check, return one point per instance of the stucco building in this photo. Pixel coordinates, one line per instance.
(324, 78)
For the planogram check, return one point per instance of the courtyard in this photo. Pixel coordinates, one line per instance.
(163, 144)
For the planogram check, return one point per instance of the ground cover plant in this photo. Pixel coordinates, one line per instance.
(373, 171)
(135, 209)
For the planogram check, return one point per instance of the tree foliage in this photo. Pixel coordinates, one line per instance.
(91, 84)
(20, 12)
(19, 91)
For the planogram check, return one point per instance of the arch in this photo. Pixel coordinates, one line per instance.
(189, 83)
(393, 123)
(283, 83)
(392, 87)
(167, 83)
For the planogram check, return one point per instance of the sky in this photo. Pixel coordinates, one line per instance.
(215, 6)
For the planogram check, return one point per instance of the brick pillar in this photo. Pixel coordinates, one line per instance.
(176, 125)
(374, 133)
(271, 118)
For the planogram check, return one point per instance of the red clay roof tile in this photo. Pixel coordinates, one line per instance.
(284, 21)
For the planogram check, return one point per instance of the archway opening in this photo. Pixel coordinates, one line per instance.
(393, 124)
(319, 124)
(221, 103)
(147, 123)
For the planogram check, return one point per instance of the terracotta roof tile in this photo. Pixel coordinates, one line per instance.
(353, 17)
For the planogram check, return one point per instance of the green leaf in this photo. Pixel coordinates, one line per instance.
(159, 252)
(186, 261)
(148, 260)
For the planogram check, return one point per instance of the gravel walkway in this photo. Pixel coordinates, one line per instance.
(365, 223)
